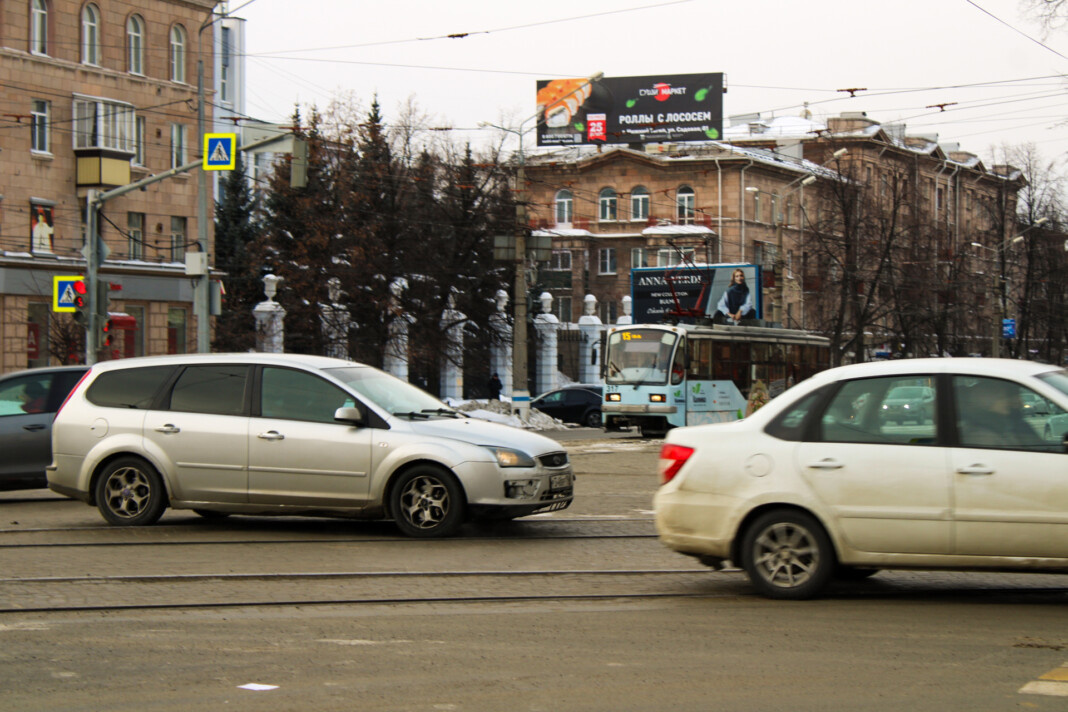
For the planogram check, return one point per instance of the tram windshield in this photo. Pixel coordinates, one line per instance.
(639, 356)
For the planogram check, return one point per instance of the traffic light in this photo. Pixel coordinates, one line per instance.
(82, 303)
(105, 332)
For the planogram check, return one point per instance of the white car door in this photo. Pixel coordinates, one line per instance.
(886, 484)
(1010, 484)
(298, 454)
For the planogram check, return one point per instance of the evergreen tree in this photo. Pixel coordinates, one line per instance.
(235, 232)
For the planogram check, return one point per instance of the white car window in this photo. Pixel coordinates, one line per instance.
(882, 410)
(993, 413)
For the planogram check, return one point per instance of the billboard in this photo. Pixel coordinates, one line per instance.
(713, 290)
(670, 107)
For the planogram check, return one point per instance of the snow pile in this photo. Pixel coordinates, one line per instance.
(501, 412)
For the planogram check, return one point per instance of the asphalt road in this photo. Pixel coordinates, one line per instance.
(576, 610)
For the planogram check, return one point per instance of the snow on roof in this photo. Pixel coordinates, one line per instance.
(669, 229)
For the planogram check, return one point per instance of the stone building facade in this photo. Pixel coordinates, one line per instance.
(97, 95)
(748, 199)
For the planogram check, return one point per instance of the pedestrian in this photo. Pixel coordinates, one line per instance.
(495, 387)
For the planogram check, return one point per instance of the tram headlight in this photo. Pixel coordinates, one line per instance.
(613, 397)
(657, 398)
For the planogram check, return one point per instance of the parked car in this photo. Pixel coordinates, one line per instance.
(908, 403)
(579, 404)
(28, 402)
(810, 487)
(290, 434)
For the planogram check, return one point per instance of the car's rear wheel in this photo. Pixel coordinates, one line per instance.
(129, 492)
(427, 502)
(593, 419)
(787, 555)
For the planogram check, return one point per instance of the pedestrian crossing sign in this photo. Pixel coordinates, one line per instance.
(220, 151)
(63, 294)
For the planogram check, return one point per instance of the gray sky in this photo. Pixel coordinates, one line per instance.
(776, 54)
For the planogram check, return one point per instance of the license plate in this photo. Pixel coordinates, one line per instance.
(559, 481)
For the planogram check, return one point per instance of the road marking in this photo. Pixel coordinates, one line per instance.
(1054, 683)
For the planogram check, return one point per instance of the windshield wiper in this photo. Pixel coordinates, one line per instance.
(412, 415)
(444, 411)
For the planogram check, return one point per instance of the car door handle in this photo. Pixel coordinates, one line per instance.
(35, 426)
(826, 464)
(271, 435)
(168, 429)
(976, 469)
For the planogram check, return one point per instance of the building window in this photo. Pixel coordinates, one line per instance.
(176, 331)
(99, 123)
(177, 240)
(685, 202)
(668, 256)
(177, 145)
(39, 27)
(39, 126)
(560, 261)
(38, 344)
(609, 312)
(639, 257)
(90, 35)
(41, 229)
(139, 141)
(939, 198)
(135, 231)
(639, 204)
(564, 207)
(178, 53)
(607, 206)
(135, 44)
(562, 308)
(606, 260)
(758, 207)
(225, 78)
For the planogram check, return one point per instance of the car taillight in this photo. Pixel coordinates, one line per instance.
(672, 458)
(84, 376)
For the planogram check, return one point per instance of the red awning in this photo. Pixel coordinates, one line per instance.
(122, 321)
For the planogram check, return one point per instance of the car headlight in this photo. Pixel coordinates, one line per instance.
(507, 457)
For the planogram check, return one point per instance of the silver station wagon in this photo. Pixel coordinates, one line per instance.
(287, 434)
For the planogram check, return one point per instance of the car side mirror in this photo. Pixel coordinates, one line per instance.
(354, 415)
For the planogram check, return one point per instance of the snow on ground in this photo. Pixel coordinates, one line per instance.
(500, 411)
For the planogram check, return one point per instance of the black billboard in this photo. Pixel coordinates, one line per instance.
(653, 109)
(704, 288)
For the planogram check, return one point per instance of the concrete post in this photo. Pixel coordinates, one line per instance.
(335, 321)
(452, 367)
(395, 359)
(501, 349)
(589, 350)
(270, 319)
(547, 324)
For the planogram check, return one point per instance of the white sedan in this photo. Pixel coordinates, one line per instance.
(817, 484)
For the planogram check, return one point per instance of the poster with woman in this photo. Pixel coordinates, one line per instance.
(41, 229)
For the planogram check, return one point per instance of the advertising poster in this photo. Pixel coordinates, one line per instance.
(712, 289)
(671, 107)
(41, 229)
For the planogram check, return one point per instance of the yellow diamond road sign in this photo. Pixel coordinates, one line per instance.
(220, 151)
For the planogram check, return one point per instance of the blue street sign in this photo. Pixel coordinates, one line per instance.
(220, 152)
(1008, 328)
(63, 292)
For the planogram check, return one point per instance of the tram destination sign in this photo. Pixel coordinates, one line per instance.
(654, 291)
(651, 109)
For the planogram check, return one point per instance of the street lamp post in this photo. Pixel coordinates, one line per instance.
(1000, 284)
(520, 391)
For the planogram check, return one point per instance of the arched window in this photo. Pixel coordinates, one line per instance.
(685, 202)
(606, 203)
(135, 45)
(564, 207)
(178, 53)
(90, 35)
(39, 27)
(639, 204)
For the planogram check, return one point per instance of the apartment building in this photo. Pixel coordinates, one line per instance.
(96, 95)
(750, 198)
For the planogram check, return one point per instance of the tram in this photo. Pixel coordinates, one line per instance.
(660, 376)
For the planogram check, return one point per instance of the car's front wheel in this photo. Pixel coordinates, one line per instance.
(427, 502)
(129, 492)
(593, 419)
(787, 555)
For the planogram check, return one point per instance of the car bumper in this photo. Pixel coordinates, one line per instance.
(696, 523)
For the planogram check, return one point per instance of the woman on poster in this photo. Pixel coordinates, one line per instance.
(736, 301)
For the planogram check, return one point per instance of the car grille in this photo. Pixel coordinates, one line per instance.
(554, 459)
